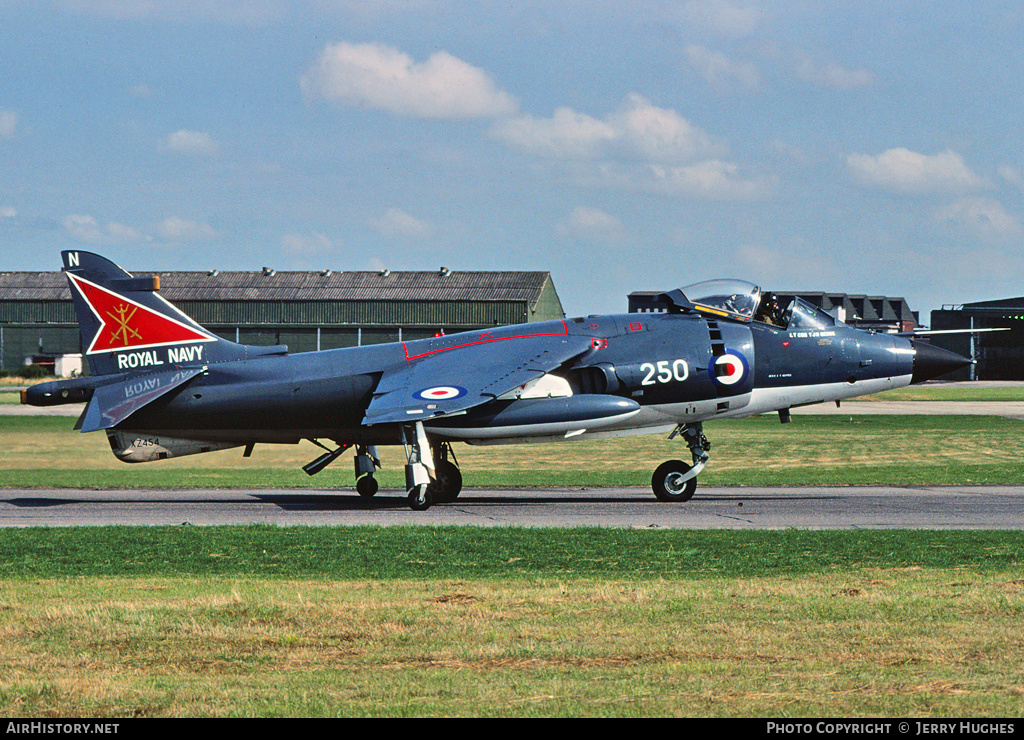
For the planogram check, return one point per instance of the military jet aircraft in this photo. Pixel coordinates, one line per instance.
(162, 386)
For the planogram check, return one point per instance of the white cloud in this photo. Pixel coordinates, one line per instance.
(771, 264)
(638, 147)
(833, 75)
(308, 244)
(177, 229)
(8, 124)
(192, 142)
(85, 228)
(910, 172)
(661, 134)
(396, 222)
(383, 78)
(142, 91)
(1012, 175)
(722, 71)
(591, 224)
(121, 234)
(637, 129)
(713, 179)
(8, 212)
(567, 134)
(727, 18)
(982, 217)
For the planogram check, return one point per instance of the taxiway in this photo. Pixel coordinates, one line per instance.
(861, 507)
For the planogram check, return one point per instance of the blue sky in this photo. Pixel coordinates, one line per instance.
(850, 146)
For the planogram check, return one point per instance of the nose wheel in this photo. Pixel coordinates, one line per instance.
(674, 481)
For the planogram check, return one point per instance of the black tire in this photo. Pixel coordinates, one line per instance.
(446, 487)
(667, 486)
(367, 486)
(414, 500)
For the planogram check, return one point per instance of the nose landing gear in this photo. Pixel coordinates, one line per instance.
(674, 480)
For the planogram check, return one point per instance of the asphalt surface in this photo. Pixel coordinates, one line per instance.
(862, 507)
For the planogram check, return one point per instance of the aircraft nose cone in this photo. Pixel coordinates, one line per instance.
(933, 362)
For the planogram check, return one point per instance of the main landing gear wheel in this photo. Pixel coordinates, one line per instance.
(367, 486)
(669, 482)
(366, 464)
(447, 483)
(435, 482)
(417, 473)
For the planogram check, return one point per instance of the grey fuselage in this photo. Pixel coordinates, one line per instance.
(657, 369)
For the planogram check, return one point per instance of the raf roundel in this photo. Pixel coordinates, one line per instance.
(440, 393)
(728, 369)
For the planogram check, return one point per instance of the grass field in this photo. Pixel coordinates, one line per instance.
(818, 450)
(506, 622)
(426, 621)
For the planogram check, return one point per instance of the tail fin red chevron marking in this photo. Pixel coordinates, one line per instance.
(125, 324)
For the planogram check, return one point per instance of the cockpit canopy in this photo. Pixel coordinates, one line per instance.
(737, 299)
(742, 301)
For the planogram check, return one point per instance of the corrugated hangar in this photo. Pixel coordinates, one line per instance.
(305, 310)
(999, 354)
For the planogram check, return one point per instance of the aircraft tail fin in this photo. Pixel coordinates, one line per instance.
(126, 326)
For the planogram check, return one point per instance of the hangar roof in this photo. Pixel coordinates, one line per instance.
(996, 305)
(33, 286)
(272, 285)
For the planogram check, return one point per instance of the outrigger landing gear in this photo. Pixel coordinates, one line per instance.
(674, 480)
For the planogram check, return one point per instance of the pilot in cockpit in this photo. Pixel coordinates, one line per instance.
(770, 310)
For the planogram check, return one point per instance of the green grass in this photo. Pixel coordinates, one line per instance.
(812, 450)
(959, 392)
(487, 552)
(264, 621)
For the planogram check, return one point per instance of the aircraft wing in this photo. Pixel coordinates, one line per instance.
(452, 380)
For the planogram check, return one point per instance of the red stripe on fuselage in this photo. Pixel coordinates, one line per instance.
(481, 340)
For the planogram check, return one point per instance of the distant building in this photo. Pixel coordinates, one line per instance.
(305, 310)
(999, 355)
